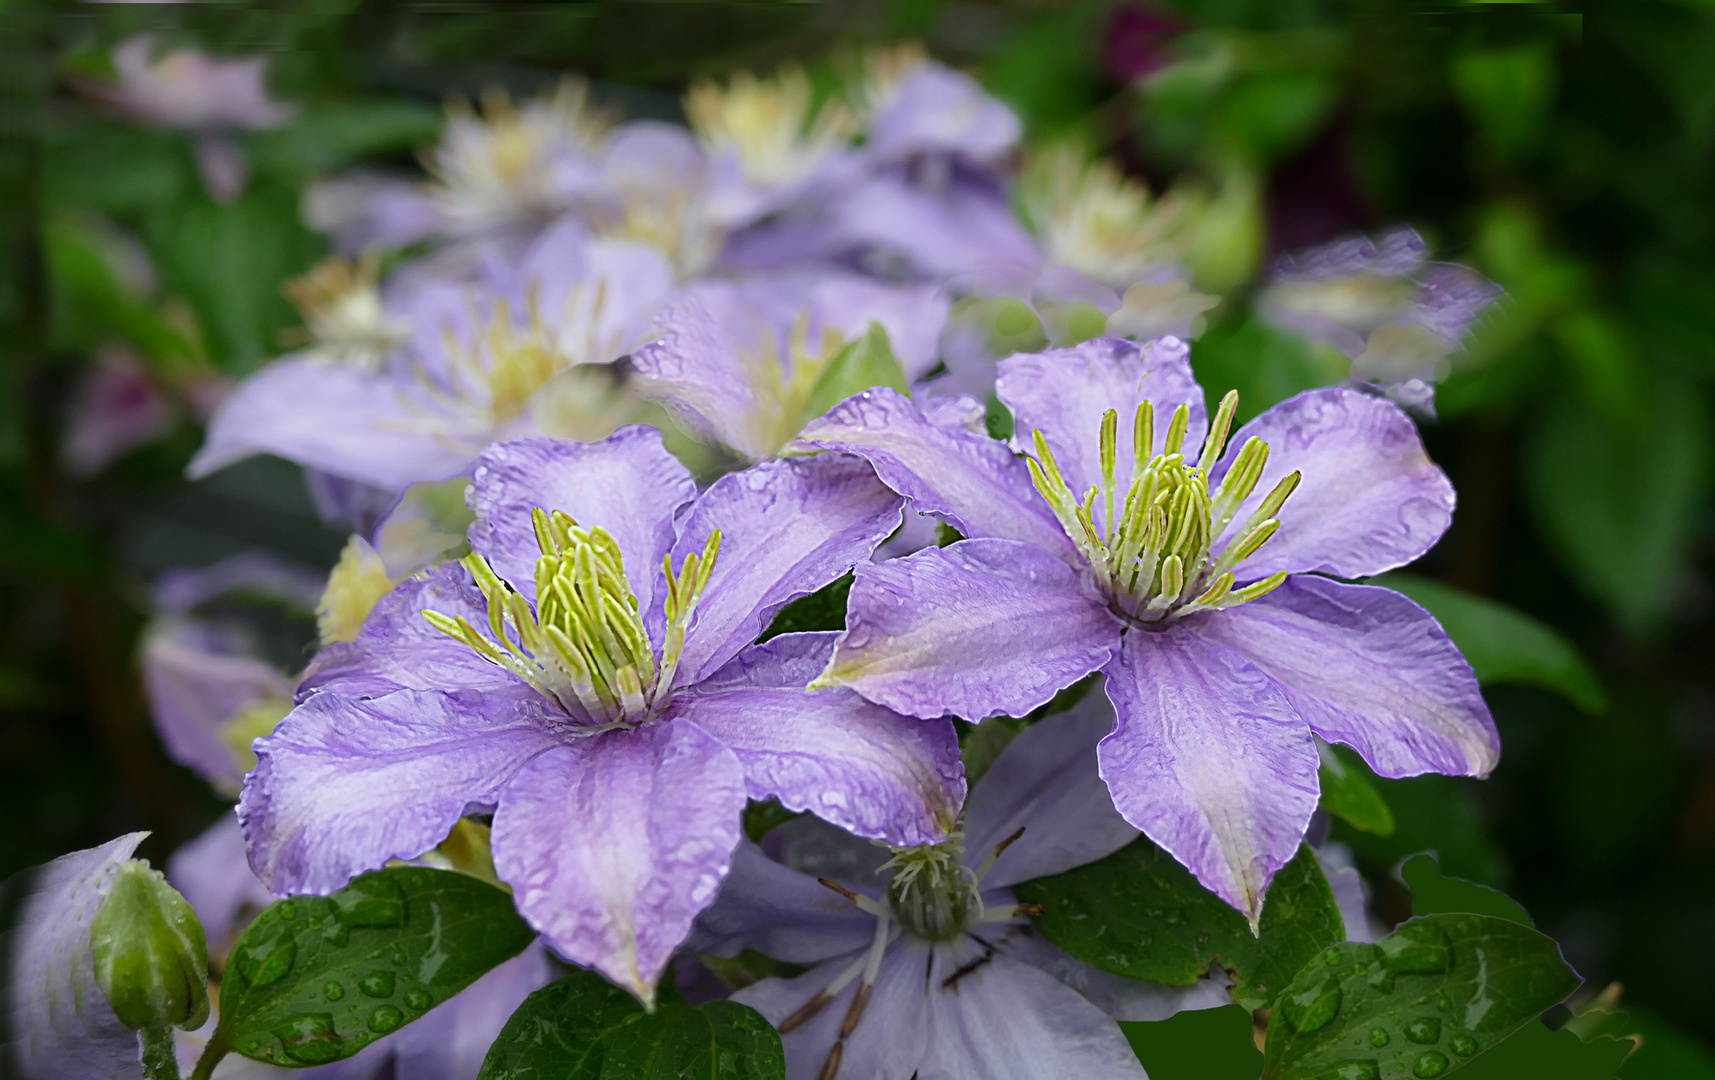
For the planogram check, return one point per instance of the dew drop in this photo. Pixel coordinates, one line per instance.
(1430, 1063)
(310, 1039)
(1425, 1029)
(1443, 1002)
(385, 1018)
(333, 991)
(1351, 1070)
(418, 998)
(288, 909)
(371, 901)
(1379, 1037)
(1463, 1045)
(1331, 958)
(398, 955)
(377, 984)
(1416, 948)
(1311, 1009)
(267, 961)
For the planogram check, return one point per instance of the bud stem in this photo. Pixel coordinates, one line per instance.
(160, 1062)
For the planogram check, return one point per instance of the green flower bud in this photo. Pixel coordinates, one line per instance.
(151, 958)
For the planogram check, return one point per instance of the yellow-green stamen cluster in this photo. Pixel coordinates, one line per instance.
(585, 645)
(933, 893)
(1156, 559)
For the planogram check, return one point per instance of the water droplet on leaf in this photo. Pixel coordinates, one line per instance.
(1463, 1045)
(1425, 1029)
(333, 991)
(385, 1018)
(398, 955)
(1378, 1037)
(418, 998)
(1351, 1070)
(1416, 948)
(1443, 1002)
(377, 984)
(371, 901)
(267, 961)
(288, 909)
(1311, 1009)
(1431, 1063)
(310, 1039)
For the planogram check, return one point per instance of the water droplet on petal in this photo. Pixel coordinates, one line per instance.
(1431, 1063)
(418, 998)
(1425, 1029)
(1378, 1037)
(310, 1039)
(333, 991)
(385, 1018)
(377, 984)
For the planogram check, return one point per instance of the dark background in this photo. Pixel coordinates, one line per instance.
(1565, 152)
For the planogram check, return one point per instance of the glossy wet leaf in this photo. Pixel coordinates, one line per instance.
(1430, 996)
(585, 1028)
(316, 979)
(1503, 644)
(1139, 913)
(1349, 793)
(865, 363)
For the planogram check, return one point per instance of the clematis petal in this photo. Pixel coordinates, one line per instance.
(344, 784)
(939, 110)
(627, 484)
(397, 649)
(194, 686)
(1046, 783)
(1370, 499)
(965, 477)
(1116, 995)
(779, 912)
(214, 877)
(62, 1025)
(1008, 1021)
(855, 764)
(613, 844)
(326, 416)
(1209, 760)
(787, 529)
(890, 1042)
(1064, 392)
(1367, 667)
(980, 628)
(697, 367)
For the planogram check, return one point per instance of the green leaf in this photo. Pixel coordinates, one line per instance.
(1348, 794)
(1433, 893)
(1420, 1002)
(1618, 506)
(316, 979)
(864, 363)
(585, 1028)
(1504, 644)
(1140, 914)
(1536, 1053)
(824, 609)
(323, 139)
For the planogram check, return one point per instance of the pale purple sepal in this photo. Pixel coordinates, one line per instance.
(787, 529)
(1367, 667)
(254, 572)
(612, 844)
(938, 110)
(189, 89)
(352, 423)
(343, 785)
(1046, 783)
(366, 209)
(195, 682)
(1370, 499)
(398, 649)
(1064, 392)
(779, 912)
(1116, 995)
(627, 484)
(1209, 760)
(830, 752)
(946, 228)
(62, 1024)
(971, 480)
(981, 628)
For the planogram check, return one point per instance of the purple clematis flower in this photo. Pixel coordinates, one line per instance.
(470, 373)
(932, 969)
(741, 360)
(1188, 576)
(611, 710)
(1397, 316)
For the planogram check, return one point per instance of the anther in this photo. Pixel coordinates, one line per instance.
(831, 1067)
(854, 1012)
(854, 897)
(994, 856)
(808, 1010)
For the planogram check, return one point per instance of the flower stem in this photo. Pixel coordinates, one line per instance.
(160, 1062)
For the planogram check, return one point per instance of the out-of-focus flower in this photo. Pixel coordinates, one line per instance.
(62, 1022)
(344, 319)
(115, 409)
(616, 773)
(190, 90)
(1398, 317)
(1093, 218)
(742, 361)
(655, 189)
(478, 354)
(210, 690)
(925, 963)
(1188, 576)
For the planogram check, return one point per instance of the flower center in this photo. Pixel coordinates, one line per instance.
(933, 893)
(1095, 219)
(1155, 559)
(768, 124)
(585, 645)
(343, 317)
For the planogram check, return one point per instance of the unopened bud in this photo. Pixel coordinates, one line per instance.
(151, 958)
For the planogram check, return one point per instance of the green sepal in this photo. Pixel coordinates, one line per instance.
(317, 978)
(1139, 913)
(585, 1028)
(151, 956)
(1422, 1001)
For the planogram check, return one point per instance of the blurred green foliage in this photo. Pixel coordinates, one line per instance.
(1568, 155)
